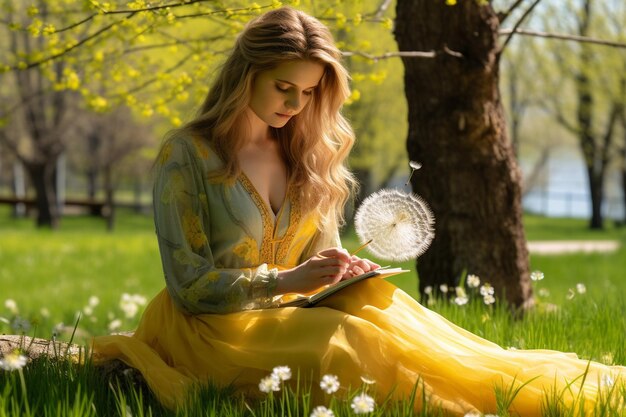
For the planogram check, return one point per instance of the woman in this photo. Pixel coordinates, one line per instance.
(248, 199)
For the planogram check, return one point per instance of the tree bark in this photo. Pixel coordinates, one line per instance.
(458, 132)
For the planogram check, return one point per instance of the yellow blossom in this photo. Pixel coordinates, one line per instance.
(450, 2)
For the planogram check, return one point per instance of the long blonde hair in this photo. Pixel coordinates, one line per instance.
(316, 142)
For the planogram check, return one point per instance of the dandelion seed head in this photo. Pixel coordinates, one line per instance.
(329, 384)
(368, 380)
(13, 361)
(362, 404)
(283, 373)
(321, 411)
(399, 225)
(269, 383)
(473, 281)
(443, 288)
(536, 275)
(20, 325)
(428, 290)
(415, 165)
(581, 288)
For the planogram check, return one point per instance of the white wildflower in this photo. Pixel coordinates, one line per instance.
(486, 289)
(362, 404)
(11, 305)
(329, 384)
(536, 275)
(460, 301)
(321, 411)
(13, 361)
(428, 290)
(270, 383)
(93, 301)
(443, 288)
(130, 304)
(88, 310)
(473, 281)
(489, 299)
(283, 373)
(581, 288)
(415, 165)
(115, 324)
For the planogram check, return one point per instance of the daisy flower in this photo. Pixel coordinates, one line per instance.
(362, 404)
(329, 384)
(321, 411)
(269, 383)
(13, 361)
(283, 373)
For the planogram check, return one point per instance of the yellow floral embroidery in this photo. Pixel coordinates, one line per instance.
(192, 227)
(201, 148)
(204, 201)
(199, 289)
(174, 188)
(248, 251)
(183, 257)
(165, 153)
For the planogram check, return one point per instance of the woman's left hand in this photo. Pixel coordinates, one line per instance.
(359, 266)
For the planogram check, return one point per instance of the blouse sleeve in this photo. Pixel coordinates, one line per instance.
(182, 222)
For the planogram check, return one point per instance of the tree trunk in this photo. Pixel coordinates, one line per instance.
(42, 177)
(457, 131)
(109, 202)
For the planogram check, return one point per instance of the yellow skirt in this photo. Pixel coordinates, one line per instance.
(370, 329)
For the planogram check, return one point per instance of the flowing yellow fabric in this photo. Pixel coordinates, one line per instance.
(371, 328)
(220, 247)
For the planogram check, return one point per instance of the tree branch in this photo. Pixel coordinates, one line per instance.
(67, 50)
(517, 25)
(574, 38)
(382, 8)
(503, 16)
(404, 54)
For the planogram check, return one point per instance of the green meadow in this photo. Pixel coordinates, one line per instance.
(82, 281)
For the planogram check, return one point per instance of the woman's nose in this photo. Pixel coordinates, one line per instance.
(293, 101)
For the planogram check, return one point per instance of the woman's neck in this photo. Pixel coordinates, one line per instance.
(258, 131)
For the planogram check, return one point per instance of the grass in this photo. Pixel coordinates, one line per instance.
(53, 277)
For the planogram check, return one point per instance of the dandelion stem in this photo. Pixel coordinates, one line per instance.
(361, 247)
(24, 393)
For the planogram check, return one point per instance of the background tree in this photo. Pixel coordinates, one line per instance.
(458, 131)
(591, 73)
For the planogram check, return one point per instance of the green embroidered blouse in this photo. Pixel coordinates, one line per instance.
(221, 246)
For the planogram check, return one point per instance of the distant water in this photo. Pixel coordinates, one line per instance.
(562, 190)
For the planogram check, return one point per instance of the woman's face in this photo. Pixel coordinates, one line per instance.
(281, 93)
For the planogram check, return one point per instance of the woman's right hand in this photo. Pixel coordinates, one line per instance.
(325, 268)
